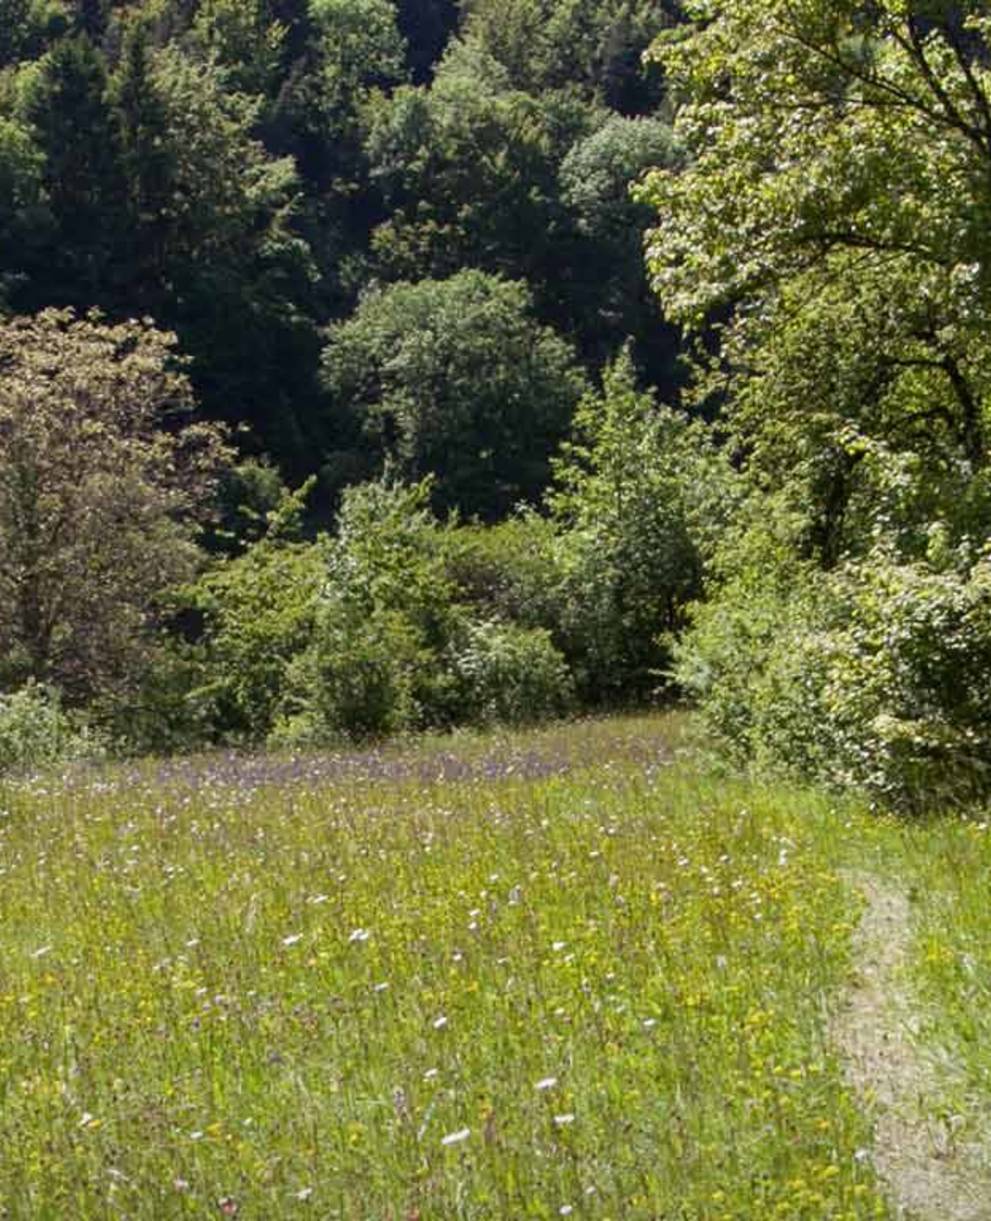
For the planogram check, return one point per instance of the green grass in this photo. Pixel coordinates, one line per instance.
(511, 994)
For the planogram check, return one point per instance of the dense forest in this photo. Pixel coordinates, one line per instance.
(248, 173)
(371, 365)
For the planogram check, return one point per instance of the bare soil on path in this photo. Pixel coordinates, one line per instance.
(932, 1173)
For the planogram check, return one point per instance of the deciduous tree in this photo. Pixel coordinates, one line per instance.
(835, 205)
(100, 492)
(468, 169)
(456, 378)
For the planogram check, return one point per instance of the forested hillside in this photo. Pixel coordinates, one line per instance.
(390, 241)
(340, 398)
(245, 172)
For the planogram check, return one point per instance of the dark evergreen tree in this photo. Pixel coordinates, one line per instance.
(67, 108)
(89, 18)
(148, 167)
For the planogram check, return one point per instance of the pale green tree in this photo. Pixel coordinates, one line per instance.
(101, 489)
(830, 229)
(835, 208)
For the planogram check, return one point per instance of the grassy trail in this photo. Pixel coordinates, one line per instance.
(917, 1149)
(558, 974)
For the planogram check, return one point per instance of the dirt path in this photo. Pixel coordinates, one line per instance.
(932, 1176)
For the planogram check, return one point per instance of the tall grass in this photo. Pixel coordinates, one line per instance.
(554, 975)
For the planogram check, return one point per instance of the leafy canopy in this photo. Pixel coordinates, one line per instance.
(835, 208)
(99, 500)
(456, 378)
(832, 216)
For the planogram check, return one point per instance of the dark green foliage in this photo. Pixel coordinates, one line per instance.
(393, 238)
(361, 47)
(356, 51)
(351, 52)
(26, 26)
(214, 249)
(509, 571)
(475, 170)
(468, 171)
(598, 171)
(592, 45)
(397, 241)
(455, 378)
(244, 170)
(246, 39)
(426, 26)
(22, 211)
(65, 106)
(149, 193)
(89, 17)
(611, 296)
(147, 164)
(250, 496)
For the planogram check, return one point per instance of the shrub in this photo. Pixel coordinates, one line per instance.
(372, 665)
(876, 674)
(258, 614)
(171, 712)
(640, 494)
(907, 679)
(407, 632)
(36, 732)
(362, 678)
(509, 673)
(509, 571)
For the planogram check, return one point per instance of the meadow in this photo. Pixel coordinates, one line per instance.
(573, 972)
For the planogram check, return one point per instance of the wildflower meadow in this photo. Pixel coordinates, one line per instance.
(564, 973)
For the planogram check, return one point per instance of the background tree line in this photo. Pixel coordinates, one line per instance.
(247, 172)
(399, 249)
(385, 252)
